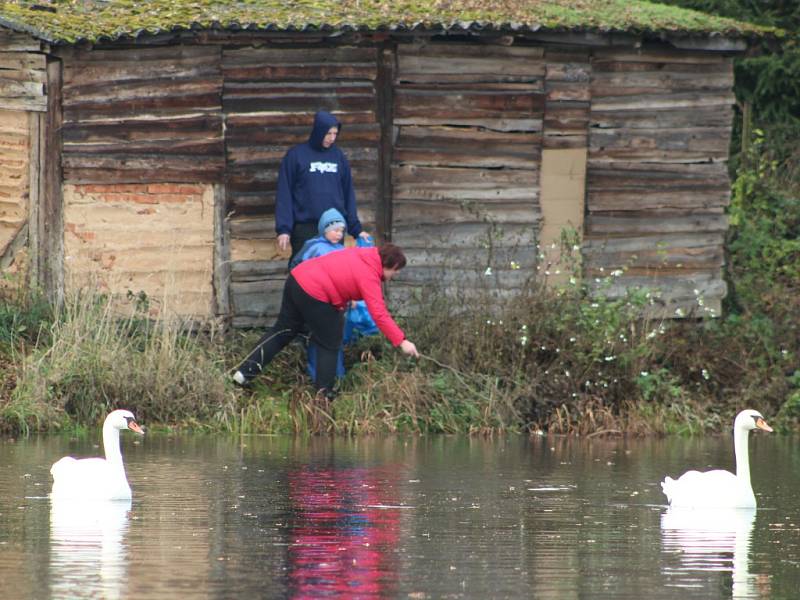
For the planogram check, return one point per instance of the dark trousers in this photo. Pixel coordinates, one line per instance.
(301, 233)
(298, 312)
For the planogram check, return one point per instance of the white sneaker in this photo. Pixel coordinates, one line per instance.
(239, 378)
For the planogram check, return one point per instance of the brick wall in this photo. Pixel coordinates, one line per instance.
(14, 180)
(155, 238)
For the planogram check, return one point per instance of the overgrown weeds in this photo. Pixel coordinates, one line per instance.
(87, 359)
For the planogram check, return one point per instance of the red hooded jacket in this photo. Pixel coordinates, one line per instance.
(349, 274)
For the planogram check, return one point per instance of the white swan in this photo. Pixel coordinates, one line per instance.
(720, 488)
(97, 478)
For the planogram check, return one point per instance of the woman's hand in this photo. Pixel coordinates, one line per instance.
(283, 241)
(409, 348)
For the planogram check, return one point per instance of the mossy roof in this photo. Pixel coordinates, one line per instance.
(71, 21)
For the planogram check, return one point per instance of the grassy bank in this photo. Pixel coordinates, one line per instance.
(554, 360)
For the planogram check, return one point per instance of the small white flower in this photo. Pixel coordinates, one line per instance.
(679, 312)
(609, 358)
(644, 374)
(706, 374)
(488, 271)
(616, 273)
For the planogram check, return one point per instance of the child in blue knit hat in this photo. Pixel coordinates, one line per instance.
(331, 228)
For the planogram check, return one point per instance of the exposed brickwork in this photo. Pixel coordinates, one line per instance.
(156, 238)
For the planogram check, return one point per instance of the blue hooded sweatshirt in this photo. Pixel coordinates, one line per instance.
(320, 245)
(312, 179)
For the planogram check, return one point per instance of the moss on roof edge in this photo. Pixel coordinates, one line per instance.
(67, 22)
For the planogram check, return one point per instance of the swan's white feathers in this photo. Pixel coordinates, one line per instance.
(707, 490)
(719, 488)
(97, 478)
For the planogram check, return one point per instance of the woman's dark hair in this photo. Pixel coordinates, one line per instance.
(392, 257)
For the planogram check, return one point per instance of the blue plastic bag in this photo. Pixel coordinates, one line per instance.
(358, 322)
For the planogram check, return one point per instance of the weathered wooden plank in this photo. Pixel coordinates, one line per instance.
(665, 118)
(644, 223)
(165, 147)
(460, 278)
(446, 157)
(298, 120)
(233, 58)
(76, 97)
(331, 102)
(467, 104)
(413, 182)
(419, 212)
(621, 55)
(449, 62)
(625, 174)
(648, 243)
(664, 101)
(568, 92)
(136, 54)
(568, 72)
(19, 42)
(663, 78)
(666, 287)
(601, 67)
(300, 72)
(37, 104)
(656, 201)
(157, 169)
(490, 123)
(87, 76)
(456, 236)
(699, 139)
(144, 128)
(456, 137)
(165, 106)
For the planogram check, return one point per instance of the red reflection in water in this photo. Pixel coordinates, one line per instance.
(341, 537)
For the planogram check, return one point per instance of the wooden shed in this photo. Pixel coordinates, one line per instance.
(140, 146)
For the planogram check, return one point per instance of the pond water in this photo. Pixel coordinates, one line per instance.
(419, 517)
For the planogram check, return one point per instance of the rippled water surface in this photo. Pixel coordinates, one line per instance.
(430, 517)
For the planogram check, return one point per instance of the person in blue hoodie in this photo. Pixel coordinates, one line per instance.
(314, 176)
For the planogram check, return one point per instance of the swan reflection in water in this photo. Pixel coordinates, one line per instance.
(88, 552)
(711, 540)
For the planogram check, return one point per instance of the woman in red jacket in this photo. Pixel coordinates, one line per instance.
(314, 298)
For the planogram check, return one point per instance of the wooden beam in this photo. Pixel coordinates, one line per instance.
(385, 112)
(51, 218)
(222, 255)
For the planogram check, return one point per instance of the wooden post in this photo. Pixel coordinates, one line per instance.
(747, 130)
(222, 255)
(384, 85)
(51, 212)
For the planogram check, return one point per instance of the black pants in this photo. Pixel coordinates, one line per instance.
(298, 312)
(301, 233)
